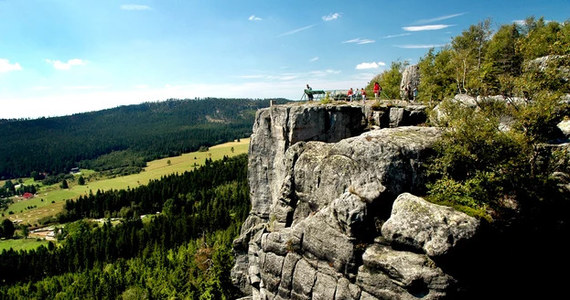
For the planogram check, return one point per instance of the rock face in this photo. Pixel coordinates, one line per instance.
(427, 227)
(410, 82)
(322, 224)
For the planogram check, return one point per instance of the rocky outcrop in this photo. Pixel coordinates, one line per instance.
(426, 227)
(322, 225)
(410, 82)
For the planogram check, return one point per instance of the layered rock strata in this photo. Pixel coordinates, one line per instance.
(322, 225)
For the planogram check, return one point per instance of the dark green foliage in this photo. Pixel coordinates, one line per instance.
(7, 229)
(134, 257)
(122, 138)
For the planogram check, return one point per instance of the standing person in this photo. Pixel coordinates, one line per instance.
(363, 93)
(349, 94)
(376, 90)
(309, 92)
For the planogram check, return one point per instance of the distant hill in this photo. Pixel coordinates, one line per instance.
(123, 138)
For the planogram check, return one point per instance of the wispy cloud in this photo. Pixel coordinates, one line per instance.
(59, 65)
(420, 46)
(297, 30)
(254, 18)
(331, 17)
(437, 19)
(426, 27)
(322, 73)
(391, 36)
(370, 65)
(6, 66)
(135, 7)
(314, 59)
(359, 41)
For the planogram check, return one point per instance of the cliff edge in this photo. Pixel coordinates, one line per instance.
(334, 214)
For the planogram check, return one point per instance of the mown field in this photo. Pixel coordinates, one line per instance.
(50, 200)
(20, 244)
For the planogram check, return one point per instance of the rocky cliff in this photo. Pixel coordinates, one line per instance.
(334, 214)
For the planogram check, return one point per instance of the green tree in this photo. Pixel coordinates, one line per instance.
(64, 184)
(8, 228)
(503, 62)
(389, 80)
(467, 57)
(437, 76)
(81, 180)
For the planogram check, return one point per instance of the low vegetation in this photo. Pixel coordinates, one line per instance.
(501, 149)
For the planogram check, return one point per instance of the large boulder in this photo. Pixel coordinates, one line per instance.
(391, 274)
(428, 227)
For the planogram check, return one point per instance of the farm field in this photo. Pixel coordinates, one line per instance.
(50, 200)
(21, 244)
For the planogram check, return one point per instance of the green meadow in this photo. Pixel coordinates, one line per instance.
(50, 200)
(21, 244)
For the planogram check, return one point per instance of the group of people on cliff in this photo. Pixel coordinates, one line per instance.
(352, 96)
(408, 93)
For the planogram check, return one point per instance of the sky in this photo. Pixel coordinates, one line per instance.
(59, 57)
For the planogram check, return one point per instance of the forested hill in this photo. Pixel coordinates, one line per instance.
(122, 138)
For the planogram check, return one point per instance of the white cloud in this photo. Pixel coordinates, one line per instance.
(424, 21)
(314, 59)
(135, 7)
(370, 65)
(426, 46)
(254, 18)
(321, 73)
(59, 65)
(331, 17)
(6, 66)
(359, 41)
(390, 36)
(520, 22)
(297, 30)
(426, 27)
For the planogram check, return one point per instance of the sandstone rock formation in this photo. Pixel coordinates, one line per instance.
(410, 82)
(322, 224)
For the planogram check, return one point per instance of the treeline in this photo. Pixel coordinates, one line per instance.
(123, 138)
(150, 198)
(218, 200)
(199, 269)
(483, 62)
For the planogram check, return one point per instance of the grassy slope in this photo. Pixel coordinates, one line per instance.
(20, 244)
(154, 170)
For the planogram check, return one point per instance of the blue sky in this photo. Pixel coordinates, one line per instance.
(60, 57)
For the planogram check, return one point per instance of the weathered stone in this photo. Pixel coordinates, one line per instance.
(428, 227)
(277, 242)
(324, 288)
(277, 128)
(389, 159)
(303, 280)
(346, 290)
(350, 212)
(396, 116)
(327, 243)
(410, 82)
(366, 296)
(287, 275)
(415, 273)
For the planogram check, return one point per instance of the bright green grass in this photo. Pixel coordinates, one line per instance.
(21, 244)
(154, 170)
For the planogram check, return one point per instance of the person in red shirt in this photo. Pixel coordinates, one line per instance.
(376, 90)
(363, 93)
(349, 94)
